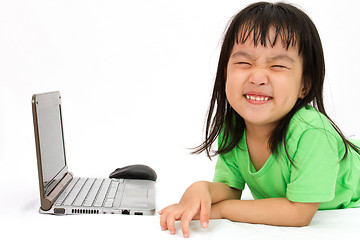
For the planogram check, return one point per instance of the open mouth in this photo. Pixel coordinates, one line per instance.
(257, 98)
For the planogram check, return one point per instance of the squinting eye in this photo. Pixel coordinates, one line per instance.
(278, 67)
(245, 64)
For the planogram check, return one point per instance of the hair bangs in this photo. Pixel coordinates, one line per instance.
(257, 26)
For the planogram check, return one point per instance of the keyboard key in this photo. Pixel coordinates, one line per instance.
(83, 192)
(93, 192)
(66, 192)
(119, 195)
(109, 203)
(112, 190)
(102, 193)
(74, 192)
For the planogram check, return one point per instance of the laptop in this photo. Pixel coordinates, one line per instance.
(60, 191)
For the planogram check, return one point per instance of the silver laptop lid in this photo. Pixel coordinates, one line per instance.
(49, 138)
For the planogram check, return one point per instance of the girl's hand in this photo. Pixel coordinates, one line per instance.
(195, 203)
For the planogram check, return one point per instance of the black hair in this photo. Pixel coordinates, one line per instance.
(295, 29)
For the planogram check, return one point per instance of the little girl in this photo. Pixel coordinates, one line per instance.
(291, 155)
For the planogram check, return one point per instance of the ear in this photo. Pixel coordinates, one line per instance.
(306, 86)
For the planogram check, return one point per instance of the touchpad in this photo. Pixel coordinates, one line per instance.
(136, 193)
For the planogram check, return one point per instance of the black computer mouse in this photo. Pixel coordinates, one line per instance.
(137, 171)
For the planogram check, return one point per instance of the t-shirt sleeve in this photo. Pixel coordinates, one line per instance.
(313, 179)
(227, 171)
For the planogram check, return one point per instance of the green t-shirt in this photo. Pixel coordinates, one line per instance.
(316, 149)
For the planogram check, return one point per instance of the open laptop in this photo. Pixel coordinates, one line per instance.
(60, 192)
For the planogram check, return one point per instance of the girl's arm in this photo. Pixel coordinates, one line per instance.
(271, 211)
(221, 191)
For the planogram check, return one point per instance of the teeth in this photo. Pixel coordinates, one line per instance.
(258, 98)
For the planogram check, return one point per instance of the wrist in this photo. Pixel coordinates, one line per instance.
(217, 210)
(222, 207)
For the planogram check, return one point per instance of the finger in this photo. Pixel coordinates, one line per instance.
(171, 224)
(171, 218)
(163, 216)
(205, 213)
(163, 222)
(185, 222)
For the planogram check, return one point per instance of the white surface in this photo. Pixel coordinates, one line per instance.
(136, 78)
(23, 220)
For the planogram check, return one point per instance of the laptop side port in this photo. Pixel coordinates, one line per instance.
(138, 213)
(59, 210)
(125, 212)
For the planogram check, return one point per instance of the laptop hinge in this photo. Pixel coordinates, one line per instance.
(47, 202)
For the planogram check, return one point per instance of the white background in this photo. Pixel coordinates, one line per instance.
(136, 79)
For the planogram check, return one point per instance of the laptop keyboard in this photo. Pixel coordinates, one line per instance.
(92, 192)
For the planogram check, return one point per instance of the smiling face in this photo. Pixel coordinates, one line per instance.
(263, 83)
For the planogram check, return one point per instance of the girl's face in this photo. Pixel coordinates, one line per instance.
(263, 83)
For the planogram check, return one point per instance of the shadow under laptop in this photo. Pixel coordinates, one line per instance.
(30, 206)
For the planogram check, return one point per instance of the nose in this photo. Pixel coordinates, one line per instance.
(258, 77)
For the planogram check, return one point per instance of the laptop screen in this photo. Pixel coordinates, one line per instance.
(50, 139)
